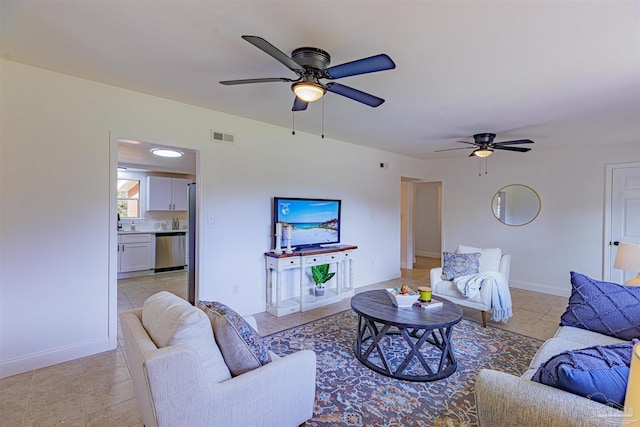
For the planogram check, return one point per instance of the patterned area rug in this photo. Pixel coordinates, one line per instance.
(350, 394)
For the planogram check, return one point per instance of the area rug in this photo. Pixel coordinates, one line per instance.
(350, 394)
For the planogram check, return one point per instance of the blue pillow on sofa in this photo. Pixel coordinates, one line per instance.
(603, 307)
(599, 373)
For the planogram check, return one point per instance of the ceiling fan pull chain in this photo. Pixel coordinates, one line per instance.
(323, 117)
(486, 161)
(293, 123)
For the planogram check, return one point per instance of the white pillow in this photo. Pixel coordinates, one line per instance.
(170, 320)
(489, 257)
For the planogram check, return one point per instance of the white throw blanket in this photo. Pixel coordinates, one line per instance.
(500, 296)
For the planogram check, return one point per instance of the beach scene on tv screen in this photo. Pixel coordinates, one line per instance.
(312, 222)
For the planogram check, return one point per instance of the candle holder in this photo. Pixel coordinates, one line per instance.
(278, 249)
(289, 251)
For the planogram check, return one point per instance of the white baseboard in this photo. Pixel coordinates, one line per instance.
(53, 357)
(542, 288)
(428, 254)
(390, 275)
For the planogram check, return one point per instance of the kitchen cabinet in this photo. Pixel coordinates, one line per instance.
(136, 252)
(167, 194)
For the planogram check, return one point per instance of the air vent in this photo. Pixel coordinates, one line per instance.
(221, 137)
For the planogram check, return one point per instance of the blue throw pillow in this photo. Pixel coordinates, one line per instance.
(598, 373)
(603, 307)
(456, 265)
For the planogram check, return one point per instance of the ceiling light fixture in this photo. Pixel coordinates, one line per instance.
(308, 91)
(482, 152)
(164, 152)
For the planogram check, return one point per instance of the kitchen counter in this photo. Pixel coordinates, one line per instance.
(147, 231)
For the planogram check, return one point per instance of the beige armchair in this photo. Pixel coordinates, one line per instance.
(186, 382)
(483, 301)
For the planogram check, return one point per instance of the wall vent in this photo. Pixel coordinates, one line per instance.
(221, 137)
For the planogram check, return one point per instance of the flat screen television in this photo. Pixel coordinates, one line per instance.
(314, 222)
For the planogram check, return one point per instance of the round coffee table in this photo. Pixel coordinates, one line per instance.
(380, 323)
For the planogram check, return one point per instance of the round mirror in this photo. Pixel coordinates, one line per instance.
(516, 205)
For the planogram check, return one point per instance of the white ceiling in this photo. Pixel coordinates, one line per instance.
(562, 73)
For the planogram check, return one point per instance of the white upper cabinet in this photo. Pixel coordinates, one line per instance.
(180, 192)
(167, 194)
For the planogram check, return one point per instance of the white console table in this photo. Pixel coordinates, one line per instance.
(341, 256)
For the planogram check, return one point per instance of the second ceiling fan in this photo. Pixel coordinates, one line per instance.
(310, 64)
(484, 145)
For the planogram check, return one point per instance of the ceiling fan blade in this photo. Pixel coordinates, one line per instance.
(467, 142)
(299, 105)
(517, 141)
(355, 94)
(520, 149)
(265, 80)
(274, 52)
(361, 66)
(450, 149)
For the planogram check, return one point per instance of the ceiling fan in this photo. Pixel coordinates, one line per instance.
(484, 145)
(310, 64)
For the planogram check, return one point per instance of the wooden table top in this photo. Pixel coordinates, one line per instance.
(376, 305)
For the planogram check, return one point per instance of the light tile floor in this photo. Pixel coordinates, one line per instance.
(97, 390)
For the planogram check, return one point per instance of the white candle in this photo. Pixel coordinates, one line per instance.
(278, 229)
(289, 232)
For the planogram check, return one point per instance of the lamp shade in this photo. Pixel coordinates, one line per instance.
(483, 152)
(632, 398)
(628, 259)
(308, 91)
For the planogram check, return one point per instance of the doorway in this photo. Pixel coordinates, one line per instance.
(622, 215)
(134, 157)
(421, 221)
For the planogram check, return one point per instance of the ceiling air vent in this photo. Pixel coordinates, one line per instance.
(221, 137)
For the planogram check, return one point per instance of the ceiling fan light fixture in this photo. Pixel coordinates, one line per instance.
(163, 152)
(308, 91)
(483, 152)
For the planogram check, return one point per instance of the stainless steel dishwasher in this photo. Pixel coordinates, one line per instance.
(170, 251)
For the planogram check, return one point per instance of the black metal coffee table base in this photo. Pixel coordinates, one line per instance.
(408, 343)
(368, 343)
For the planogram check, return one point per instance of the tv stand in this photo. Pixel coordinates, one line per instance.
(307, 248)
(338, 288)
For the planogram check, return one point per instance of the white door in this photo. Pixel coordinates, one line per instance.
(624, 214)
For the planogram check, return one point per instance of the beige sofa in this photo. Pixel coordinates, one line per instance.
(505, 400)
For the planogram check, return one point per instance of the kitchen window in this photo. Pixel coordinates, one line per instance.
(129, 198)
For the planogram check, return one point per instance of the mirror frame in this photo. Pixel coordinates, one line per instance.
(493, 199)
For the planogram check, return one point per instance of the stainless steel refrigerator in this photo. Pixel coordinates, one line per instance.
(193, 232)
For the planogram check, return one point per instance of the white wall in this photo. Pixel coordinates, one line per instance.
(57, 275)
(568, 233)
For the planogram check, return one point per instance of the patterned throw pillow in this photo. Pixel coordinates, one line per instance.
(242, 347)
(603, 307)
(456, 265)
(599, 373)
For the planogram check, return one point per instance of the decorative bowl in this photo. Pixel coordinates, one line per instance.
(402, 300)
